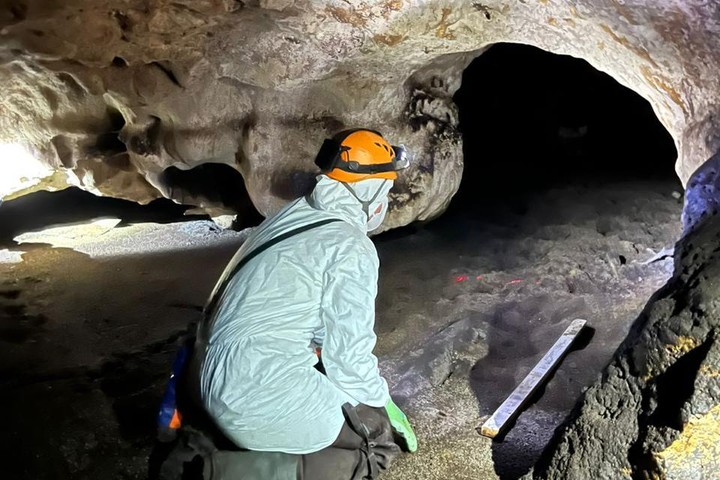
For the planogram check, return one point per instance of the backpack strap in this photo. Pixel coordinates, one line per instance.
(212, 303)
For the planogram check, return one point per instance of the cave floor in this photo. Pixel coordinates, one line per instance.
(467, 305)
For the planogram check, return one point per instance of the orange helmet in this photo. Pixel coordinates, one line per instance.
(359, 154)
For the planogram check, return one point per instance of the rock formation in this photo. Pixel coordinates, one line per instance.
(655, 413)
(109, 95)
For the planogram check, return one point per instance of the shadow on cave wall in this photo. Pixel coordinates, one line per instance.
(533, 121)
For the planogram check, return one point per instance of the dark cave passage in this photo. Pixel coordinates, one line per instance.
(532, 120)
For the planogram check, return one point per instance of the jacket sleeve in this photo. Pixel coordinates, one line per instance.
(348, 315)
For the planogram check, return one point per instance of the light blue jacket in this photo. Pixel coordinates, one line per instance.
(257, 377)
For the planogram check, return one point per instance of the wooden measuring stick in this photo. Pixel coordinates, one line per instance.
(512, 404)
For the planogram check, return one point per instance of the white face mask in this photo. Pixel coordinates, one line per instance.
(376, 207)
(376, 219)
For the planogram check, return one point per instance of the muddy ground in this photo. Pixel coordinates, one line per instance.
(467, 305)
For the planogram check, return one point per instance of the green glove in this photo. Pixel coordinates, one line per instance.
(401, 425)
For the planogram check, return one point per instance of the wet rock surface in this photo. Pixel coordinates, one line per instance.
(701, 194)
(653, 414)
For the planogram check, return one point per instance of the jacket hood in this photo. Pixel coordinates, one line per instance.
(336, 198)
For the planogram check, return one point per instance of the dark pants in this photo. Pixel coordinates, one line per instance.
(364, 448)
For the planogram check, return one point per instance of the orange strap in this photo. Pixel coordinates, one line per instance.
(176, 421)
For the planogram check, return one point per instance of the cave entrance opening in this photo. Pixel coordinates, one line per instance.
(568, 208)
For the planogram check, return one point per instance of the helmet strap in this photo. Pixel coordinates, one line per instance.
(355, 167)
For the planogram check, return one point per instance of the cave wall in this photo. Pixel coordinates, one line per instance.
(109, 94)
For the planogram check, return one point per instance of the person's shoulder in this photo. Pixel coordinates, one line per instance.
(346, 232)
(349, 241)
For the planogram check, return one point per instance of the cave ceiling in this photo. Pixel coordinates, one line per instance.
(107, 95)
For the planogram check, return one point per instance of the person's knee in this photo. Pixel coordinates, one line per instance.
(333, 464)
(250, 465)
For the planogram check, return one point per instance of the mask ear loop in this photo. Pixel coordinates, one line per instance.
(365, 204)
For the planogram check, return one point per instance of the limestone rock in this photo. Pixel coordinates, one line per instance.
(107, 95)
(654, 412)
(224, 221)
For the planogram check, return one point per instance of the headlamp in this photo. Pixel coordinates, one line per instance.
(403, 157)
